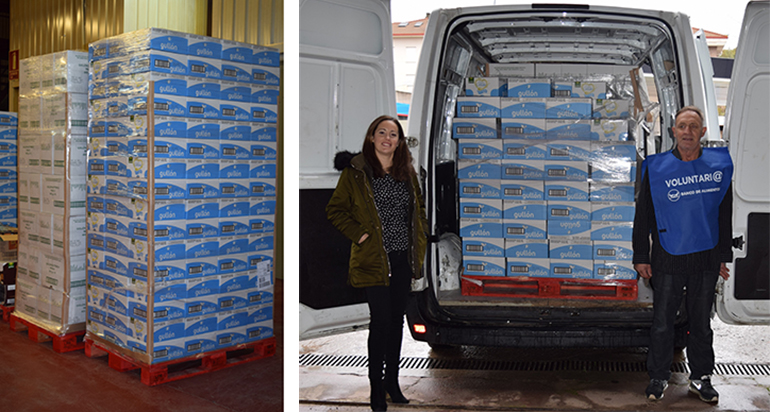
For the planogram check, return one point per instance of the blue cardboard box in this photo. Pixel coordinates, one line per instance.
(529, 267)
(478, 107)
(480, 189)
(481, 208)
(576, 229)
(522, 189)
(523, 169)
(572, 268)
(474, 128)
(570, 249)
(484, 228)
(565, 210)
(568, 108)
(522, 128)
(484, 266)
(480, 149)
(524, 229)
(526, 248)
(522, 108)
(478, 169)
(484, 247)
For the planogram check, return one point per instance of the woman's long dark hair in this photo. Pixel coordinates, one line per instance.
(401, 169)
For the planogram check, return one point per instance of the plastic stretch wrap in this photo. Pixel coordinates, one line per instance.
(53, 310)
(556, 152)
(8, 168)
(60, 72)
(52, 150)
(182, 151)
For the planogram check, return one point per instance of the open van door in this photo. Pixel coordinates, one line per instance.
(346, 81)
(745, 297)
(713, 136)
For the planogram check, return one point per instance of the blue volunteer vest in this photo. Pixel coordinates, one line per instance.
(686, 197)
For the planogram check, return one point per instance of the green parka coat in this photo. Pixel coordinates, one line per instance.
(353, 212)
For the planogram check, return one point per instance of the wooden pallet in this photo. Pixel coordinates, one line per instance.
(530, 287)
(61, 343)
(156, 374)
(7, 310)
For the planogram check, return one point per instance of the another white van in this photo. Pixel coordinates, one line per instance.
(535, 91)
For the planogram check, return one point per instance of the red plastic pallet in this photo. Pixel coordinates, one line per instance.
(156, 374)
(61, 343)
(7, 310)
(529, 287)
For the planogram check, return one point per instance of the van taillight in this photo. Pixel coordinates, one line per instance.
(419, 329)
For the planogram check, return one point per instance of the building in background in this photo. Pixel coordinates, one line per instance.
(407, 44)
(715, 41)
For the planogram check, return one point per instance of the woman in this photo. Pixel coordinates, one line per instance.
(377, 205)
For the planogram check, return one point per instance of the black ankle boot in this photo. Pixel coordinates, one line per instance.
(393, 389)
(377, 396)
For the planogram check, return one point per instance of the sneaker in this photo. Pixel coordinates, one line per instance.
(702, 387)
(655, 389)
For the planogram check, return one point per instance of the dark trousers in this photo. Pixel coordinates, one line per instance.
(668, 291)
(386, 306)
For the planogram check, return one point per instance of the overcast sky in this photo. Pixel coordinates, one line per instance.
(705, 14)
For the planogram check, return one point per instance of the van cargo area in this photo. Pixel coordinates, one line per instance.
(540, 117)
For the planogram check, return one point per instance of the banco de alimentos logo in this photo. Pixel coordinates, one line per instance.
(673, 195)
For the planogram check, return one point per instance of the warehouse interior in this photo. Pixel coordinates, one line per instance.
(35, 376)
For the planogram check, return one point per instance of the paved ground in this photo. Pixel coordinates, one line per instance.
(346, 389)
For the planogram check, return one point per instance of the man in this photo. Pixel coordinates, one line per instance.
(685, 203)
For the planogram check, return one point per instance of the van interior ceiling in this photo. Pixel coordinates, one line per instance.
(560, 37)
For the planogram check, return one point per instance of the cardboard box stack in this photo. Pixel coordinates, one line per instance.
(181, 193)
(9, 124)
(53, 115)
(546, 172)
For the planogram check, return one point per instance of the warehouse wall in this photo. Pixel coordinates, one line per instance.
(5, 33)
(187, 16)
(249, 21)
(40, 27)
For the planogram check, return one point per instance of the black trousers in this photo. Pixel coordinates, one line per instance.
(387, 305)
(667, 297)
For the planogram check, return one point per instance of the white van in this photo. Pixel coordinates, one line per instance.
(586, 55)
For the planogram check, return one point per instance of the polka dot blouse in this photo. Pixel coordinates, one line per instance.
(392, 200)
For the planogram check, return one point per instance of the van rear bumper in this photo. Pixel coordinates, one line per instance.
(630, 329)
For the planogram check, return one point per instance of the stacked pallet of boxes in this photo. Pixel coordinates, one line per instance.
(181, 193)
(53, 117)
(9, 123)
(546, 170)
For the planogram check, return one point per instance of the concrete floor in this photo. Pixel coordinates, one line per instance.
(34, 378)
(346, 389)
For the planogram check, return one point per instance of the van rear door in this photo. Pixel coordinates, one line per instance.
(745, 297)
(346, 80)
(713, 136)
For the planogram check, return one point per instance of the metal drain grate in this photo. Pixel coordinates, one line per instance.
(530, 366)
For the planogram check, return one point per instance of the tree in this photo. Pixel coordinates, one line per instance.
(728, 53)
